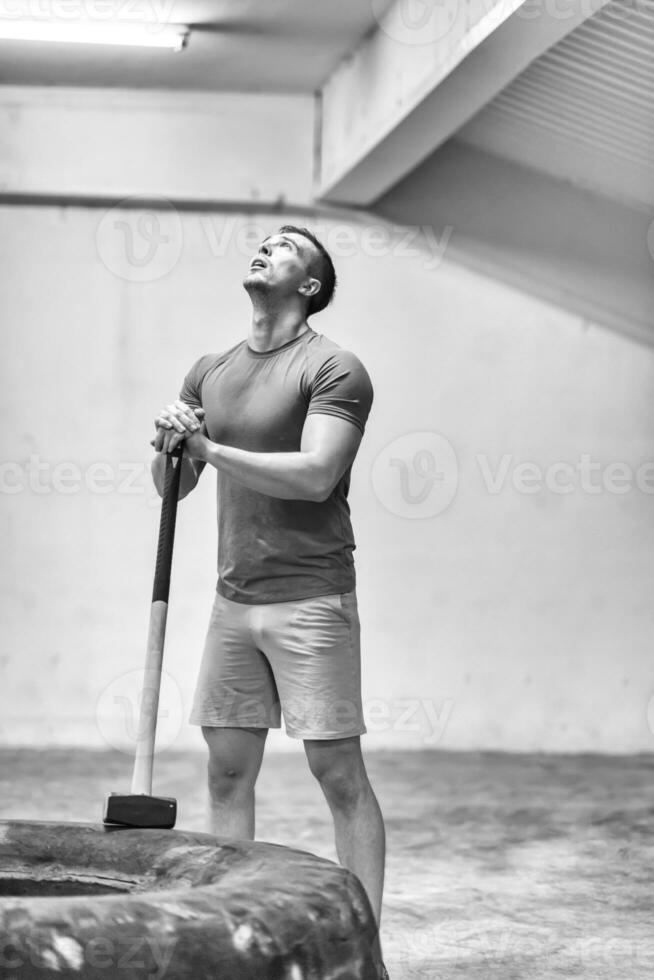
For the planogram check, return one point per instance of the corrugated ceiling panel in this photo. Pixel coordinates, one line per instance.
(584, 111)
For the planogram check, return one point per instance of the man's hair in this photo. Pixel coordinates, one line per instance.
(321, 268)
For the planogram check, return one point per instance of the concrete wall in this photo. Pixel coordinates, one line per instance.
(498, 610)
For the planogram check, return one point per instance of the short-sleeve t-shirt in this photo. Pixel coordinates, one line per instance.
(271, 549)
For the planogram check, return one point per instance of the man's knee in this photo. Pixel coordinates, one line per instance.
(339, 769)
(234, 759)
(226, 782)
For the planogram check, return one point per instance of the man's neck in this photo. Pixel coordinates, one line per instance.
(274, 328)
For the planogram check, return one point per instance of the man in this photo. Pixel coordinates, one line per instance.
(280, 416)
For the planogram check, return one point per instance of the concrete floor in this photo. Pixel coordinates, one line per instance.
(500, 867)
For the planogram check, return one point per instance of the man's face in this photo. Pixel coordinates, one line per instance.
(281, 264)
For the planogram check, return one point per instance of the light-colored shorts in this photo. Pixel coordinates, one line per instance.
(301, 658)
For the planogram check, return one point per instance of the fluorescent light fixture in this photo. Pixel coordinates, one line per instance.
(149, 35)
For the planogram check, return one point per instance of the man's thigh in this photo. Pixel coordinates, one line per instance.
(235, 687)
(313, 646)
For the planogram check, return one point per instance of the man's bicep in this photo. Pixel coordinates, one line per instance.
(191, 390)
(342, 387)
(190, 393)
(334, 441)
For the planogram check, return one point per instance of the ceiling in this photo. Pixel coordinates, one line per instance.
(584, 110)
(236, 45)
(581, 112)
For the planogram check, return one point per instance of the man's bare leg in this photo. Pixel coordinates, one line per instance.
(235, 756)
(338, 766)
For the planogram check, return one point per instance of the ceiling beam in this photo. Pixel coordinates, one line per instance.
(183, 146)
(413, 83)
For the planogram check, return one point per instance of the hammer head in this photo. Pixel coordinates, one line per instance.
(140, 810)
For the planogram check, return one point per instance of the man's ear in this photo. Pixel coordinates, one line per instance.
(310, 287)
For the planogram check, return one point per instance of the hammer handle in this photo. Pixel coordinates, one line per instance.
(167, 522)
(149, 706)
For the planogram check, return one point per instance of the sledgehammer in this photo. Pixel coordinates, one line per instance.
(140, 808)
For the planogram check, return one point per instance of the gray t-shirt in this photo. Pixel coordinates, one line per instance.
(269, 549)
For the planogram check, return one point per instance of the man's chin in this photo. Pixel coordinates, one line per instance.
(254, 280)
(254, 275)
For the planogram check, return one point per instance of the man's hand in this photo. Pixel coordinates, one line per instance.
(174, 424)
(196, 445)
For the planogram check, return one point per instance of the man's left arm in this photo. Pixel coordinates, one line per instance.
(328, 446)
